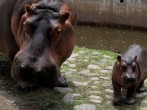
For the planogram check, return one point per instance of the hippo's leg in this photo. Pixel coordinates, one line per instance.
(24, 86)
(141, 88)
(62, 82)
(130, 99)
(117, 100)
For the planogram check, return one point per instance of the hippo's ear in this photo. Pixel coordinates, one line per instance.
(28, 9)
(135, 58)
(119, 58)
(65, 16)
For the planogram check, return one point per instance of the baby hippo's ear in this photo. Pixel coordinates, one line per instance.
(65, 16)
(135, 58)
(29, 9)
(119, 58)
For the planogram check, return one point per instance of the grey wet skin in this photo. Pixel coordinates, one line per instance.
(129, 73)
(39, 39)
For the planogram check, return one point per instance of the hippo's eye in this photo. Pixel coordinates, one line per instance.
(123, 68)
(56, 33)
(59, 30)
(134, 67)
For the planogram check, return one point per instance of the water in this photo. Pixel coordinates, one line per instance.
(112, 39)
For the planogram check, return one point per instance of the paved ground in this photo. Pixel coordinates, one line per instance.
(89, 76)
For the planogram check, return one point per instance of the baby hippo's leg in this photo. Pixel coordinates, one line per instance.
(141, 88)
(117, 100)
(130, 99)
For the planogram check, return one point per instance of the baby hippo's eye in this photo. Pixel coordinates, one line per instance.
(123, 68)
(59, 31)
(134, 67)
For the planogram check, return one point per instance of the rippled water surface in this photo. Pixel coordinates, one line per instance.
(112, 39)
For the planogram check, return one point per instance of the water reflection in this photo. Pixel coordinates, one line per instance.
(112, 39)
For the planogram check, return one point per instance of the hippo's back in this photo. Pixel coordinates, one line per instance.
(7, 41)
(6, 8)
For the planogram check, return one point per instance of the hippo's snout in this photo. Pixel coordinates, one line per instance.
(130, 78)
(41, 72)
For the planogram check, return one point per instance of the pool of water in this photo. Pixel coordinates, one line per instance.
(112, 39)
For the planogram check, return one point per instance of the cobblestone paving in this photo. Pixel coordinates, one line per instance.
(88, 73)
(91, 75)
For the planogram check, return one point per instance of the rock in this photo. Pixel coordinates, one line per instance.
(96, 82)
(72, 65)
(80, 83)
(85, 107)
(93, 67)
(74, 55)
(94, 92)
(93, 86)
(145, 82)
(73, 70)
(69, 97)
(108, 85)
(110, 102)
(95, 97)
(70, 71)
(109, 97)
(85, 72)
(106, 78)
(104, 71)
(85, 60)
(71, 59)
(63, 90)
(65, 63)
(96, 101)
(144, 101)
(94, 78)
(141, 94)
(90, 74)
(95, 53)
(106, 56)
(82, 52)
(104, 60)
(144, 108)
(109, 67)
(109, 90)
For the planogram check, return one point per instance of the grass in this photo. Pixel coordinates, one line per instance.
(46, 99)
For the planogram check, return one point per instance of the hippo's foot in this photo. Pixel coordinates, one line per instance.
(62, 82)
(117, 101)
(23, 86)
(141, 90)
(130, 101)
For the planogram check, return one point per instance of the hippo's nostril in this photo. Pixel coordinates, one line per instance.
(129, 79)
(132, 79)
(39, 70)
(25, 68)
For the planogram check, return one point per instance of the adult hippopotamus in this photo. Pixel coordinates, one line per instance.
(129, 72)
(37, 36)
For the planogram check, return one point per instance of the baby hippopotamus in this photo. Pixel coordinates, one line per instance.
(129, 72)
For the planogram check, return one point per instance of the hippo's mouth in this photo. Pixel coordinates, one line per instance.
(126, 81)
(46, 77)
